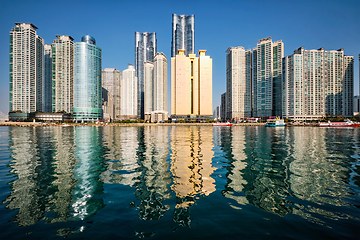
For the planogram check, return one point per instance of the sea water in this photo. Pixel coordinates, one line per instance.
(179, 182)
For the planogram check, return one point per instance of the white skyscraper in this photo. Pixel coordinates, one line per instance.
(238, 82)
(156, 89)
(129, 93)
(267, 70)
(63, 74)
(318, 83)
(26, 69)
(47, 78)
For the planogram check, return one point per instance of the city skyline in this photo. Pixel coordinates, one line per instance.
(311, 29)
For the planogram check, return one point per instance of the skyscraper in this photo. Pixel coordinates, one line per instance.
(318, 83)
(111, 82)
(191, 86)
(145, 49)
(47, 78)
(267, 70)
(26, 68)
(238, 82)
(156, 89)
(62, 74)
(129, 93)
(87, 81)
(183, 34)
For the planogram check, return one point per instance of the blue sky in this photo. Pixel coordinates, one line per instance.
(218, 25)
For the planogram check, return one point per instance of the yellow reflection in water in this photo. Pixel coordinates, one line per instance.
(191, 161)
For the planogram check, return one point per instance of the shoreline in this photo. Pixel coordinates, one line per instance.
(39, 124)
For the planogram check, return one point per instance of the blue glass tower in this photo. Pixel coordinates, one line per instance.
(145, 50)
(87, 81)
(183, 34)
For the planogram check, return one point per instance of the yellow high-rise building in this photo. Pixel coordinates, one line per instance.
(191, 86)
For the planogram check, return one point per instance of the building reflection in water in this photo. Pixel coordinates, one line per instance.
(321, 171)
(90, 165)
(28, 195)
(191, 167)
(277, 169)
(63, 164)
(233, 146)
(154, 180)
(266, 170)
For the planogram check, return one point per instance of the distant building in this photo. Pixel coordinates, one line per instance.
(217, 113)
(87, 81)
(183, 34)
(356, 105)
(318, 83)
(107, 105)
(111, 82)
(26, 69)
(62, 74)
(223, 107)
(145, 49)
(191, 86)
(238, 82)
(267, 70)
(156, 89)
(129, 94)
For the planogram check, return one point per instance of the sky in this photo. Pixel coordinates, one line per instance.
(218, 25)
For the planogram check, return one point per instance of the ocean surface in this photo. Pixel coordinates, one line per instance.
(182, 182)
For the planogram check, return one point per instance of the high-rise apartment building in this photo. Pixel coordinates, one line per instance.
(129, 94)
(87, 81)
(267, 70)
(26, 68)
(223, 107)
(145, 49)
(238, 82)
(183, 34)
(356, 105)
(47, 78)
(111, 82)
(156, 89)
(191, 86)
(148, 89)
(318, 83)
(62, 55)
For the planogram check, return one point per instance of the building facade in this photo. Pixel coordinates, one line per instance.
(156, 89)
(111, 79)
(87, 81)
(145, 49)
(356, 105)
(183, 34)
(238, 82)
(26, 69)
(191, 86)
(129, 94)
(267, 70)
(47, 78)
(318, 83)
(223, 107)
(62, 94)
